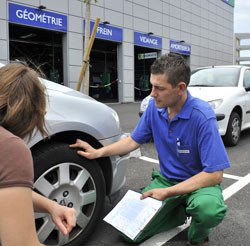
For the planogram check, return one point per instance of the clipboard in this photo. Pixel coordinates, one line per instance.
(131, 215)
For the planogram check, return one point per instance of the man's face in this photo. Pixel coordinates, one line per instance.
(163, 92)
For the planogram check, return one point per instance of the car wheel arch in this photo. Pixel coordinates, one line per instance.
(238, 110)
(233, 132)
(69, 137)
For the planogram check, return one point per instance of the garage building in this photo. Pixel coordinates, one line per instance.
(131, 35)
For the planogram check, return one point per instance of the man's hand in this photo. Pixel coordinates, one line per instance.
(63, 217)
(88, 151)
(200, 180)
(160, 194)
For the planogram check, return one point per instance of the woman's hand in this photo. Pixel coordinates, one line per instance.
(63, 217)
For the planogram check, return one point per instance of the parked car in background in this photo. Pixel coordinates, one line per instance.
(144, 104)
(64, 176)
(227, 90)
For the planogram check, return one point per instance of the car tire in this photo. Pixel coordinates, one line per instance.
(71, 180)
(232, 136)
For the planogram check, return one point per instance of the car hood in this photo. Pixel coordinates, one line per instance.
(52, 86)
(211, 93)
(68, 106)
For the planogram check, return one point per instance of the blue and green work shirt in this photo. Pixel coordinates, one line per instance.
(186, 145)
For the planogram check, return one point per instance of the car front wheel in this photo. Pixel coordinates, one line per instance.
(73, 181)
(232, 136)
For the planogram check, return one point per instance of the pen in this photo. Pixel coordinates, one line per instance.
(178, 142)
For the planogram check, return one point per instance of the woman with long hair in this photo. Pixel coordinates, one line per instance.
(22, 111)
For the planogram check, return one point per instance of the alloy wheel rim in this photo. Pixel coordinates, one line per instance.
(235, 129)
(71, 185)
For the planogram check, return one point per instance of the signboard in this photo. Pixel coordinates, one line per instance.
(179, 47)
(151, 55)
(146, 40)
(230, 2)
(35, 17)
(106, 31)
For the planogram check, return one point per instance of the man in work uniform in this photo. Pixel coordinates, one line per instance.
(191, 153)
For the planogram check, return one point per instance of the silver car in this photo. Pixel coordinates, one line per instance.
(64, 176)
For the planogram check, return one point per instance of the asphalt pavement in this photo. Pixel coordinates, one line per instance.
(234, 230)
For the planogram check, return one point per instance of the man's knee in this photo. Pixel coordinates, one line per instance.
(208, 209)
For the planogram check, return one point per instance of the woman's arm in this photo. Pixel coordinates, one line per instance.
(17, 223)
(63, 217)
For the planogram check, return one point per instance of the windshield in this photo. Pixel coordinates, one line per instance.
(217, 76)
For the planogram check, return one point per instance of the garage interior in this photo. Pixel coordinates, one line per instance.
(39, 48)
(142, 71)
(103, 71)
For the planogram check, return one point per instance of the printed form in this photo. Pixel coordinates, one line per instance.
(131, 215)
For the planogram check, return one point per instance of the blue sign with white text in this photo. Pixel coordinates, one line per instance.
(35, 17)
(106, 31)
(179, 47)
(147, 40)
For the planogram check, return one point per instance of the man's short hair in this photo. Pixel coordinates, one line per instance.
(174, 67)
(22, 100)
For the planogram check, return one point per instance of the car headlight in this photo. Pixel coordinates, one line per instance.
(215, 103)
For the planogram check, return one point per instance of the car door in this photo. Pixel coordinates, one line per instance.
(246, 85)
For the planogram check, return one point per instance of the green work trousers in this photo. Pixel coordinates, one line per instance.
(205, 206)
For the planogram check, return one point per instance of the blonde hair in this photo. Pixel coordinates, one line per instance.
(22, 101)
